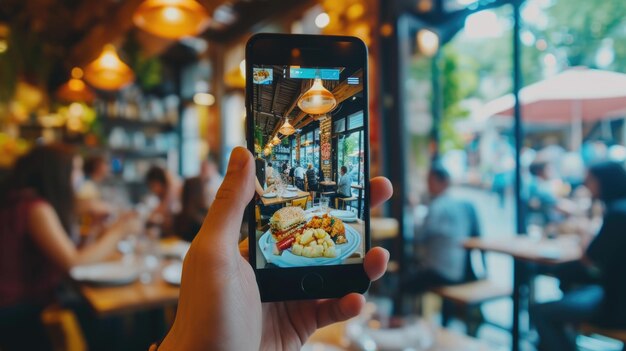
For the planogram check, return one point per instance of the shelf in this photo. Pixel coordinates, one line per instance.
(137, 124)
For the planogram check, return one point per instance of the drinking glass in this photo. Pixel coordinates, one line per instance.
(324, 201)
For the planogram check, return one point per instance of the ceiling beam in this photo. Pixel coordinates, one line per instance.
(293, 105)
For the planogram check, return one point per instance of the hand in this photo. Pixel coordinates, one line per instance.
(219, 306)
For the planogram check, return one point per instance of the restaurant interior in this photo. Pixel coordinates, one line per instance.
(501, 125)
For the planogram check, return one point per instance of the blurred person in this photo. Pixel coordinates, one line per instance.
(37, 216)
(441, 258)
(270, 174)
(344, 185)
(594, 287)
(503, 167)
(542, 198)
(230, 282)
(165, 187)
(284, 170)
(194, 207)
(260, 169)
(299, 174)
(312, 181)
(212, 179)
(91, 206)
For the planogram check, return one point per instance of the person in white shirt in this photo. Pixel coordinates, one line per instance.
(299, 173)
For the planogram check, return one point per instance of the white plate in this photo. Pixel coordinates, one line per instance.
(176, 249)
(110, 273)
(269, 195)
(172, 273)
(289, 195)
(341, 214)
(291, 187)
(287, 259)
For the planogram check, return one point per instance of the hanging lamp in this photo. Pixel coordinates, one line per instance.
(276, 140)
(108, 72)
(172, 19)
(286, 129)
(317, 100)
(75, 89)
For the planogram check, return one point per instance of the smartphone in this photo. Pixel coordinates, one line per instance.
(307, 125)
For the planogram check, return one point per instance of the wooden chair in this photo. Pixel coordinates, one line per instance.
(63, 328)
(617, 334)
(261, 221)
(464, 300)
(300, 202)
(344, 201)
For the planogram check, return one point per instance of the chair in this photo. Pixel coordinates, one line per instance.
(344, 201)
(261, 221)
(617, 334)
(300, 202)
(465, 299)
(63, 328)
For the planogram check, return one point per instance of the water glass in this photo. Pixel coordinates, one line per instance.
(324, 201)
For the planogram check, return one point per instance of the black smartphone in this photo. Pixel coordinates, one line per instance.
(307, 125)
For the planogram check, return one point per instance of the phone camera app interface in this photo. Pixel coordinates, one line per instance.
(309, 141)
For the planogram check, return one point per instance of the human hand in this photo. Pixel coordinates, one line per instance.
(219, 306)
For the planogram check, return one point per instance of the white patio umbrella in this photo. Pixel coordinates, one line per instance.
(574, 96)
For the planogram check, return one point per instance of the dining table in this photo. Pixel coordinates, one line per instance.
(279, 200)
(108, 300)
(527, 251)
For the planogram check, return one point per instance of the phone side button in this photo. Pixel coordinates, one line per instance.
(312, 283)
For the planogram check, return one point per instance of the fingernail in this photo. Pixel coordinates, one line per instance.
(238, 159)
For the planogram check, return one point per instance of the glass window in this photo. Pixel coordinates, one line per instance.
(355, 120)
(340, 125)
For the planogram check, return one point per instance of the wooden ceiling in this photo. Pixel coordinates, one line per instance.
(272, 104)
(75, 31)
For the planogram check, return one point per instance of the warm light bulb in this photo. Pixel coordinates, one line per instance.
(204, 99)
(4, 46)
(172, 14)
(108, 72)
(286, 129)
(76, 84)
(322, 20)
(427, 42)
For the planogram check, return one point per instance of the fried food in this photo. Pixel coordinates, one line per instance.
(314, 243)
(331, 225)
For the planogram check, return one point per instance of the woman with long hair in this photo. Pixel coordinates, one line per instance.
(37, 216)
(596, 284)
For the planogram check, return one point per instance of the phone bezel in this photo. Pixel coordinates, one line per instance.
(278, 284)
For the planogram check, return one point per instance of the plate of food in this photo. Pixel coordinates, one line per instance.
(289, 194)
(294, 240)
(269, 195)
(261, 75)
(292, 188)
(106, 273)
(172, 273)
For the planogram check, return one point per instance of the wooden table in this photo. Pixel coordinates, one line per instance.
(278, 200)
(546, 252)
(328, 183)
(384, 228)
(112, 300)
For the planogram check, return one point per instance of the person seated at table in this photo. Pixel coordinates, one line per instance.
(441, 258)
(37, 217)
(212, 179)
(270, 174)
(312, 181)
(299, 174)
(194, 207)
(96, 170)
(166, 189)
(595, 285)
(344, 186)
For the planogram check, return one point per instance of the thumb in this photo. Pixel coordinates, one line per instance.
(223, 222)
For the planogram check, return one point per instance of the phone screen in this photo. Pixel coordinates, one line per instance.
(310, 141)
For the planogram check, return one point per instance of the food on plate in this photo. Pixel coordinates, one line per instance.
(331, 225)
(314, 243)
(260, 74)
(287, 222)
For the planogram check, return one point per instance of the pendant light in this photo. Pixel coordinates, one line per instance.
(286, 129)
(172, 19)
(317, 100)
(108, 72)
(75, 89)
(276, 140)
